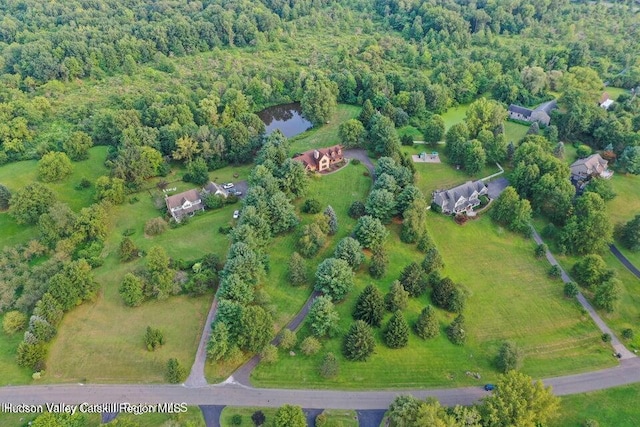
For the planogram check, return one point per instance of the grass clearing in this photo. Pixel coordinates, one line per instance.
(515, 131)
(327, 134)
(245, 413)
(454, 115)
(513, 301)
(612, 407)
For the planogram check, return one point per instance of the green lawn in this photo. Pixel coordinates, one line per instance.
(615, 92)
(513, 300)
(24, 420)
(246, 412)
(454, 115)
(19, 174)
(514, 131)
(613, 407)
(286, 299)
(327, 134)
(434, 176)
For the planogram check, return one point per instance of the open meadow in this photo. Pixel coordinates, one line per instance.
(511, 300)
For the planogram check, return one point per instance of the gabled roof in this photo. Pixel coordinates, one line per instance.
(448, 199)
(178, 200)
(604, 98)
(513, 108)
(313, 157)
(592, 164)
(213, 188)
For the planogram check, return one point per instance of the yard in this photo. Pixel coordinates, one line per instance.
(335, 418)
(286, 299)
(613, 407)
(514, 301)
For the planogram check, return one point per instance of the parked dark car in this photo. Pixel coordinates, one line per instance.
(489, 387)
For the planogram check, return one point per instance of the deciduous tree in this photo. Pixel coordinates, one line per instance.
(54, 166)
(334, 278)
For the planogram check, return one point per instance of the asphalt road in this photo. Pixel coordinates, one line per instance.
(624, 260)
(233, 394)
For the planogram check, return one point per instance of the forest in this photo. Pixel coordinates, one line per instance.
(170, 85)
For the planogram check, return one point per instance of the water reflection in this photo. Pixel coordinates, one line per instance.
(286, 117)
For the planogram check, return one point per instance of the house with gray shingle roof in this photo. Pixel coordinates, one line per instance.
(541, 114)
(184, 204)
(459, 199)
(585, 169)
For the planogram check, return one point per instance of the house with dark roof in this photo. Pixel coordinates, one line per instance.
(321, 159)
(541, 114)
(462, 198)
(184, 204)
(583, 170)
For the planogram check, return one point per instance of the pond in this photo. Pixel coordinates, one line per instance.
(286, 117)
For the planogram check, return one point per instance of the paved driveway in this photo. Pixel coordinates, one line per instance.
(360, 154)
(497, 186)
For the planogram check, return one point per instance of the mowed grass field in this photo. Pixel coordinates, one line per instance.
(509, 300)
(338, 189)
(615, 407)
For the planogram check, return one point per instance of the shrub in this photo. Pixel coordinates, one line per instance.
(236, 420)
(329, 367)
(5, 197)
(541, 250)
(627, 334)
(155, 226)
(555, 272)
(132, 290)
(153, 338)
(589, 422)
(311, 206)
(356, 210)
(14, 322)
(128, 250)
(310, 346)
(258, 418)
(606, 337)
(175, 372)
(288, 339)
(570, 290)
(355, 162)
(269, 354)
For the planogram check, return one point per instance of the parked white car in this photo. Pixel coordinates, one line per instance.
(228, 185)
(236, 214)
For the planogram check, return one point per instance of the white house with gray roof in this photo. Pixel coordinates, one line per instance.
(462, 198)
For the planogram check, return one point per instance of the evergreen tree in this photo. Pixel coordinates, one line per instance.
(509, 357)
(432, 261)
(427, 325)
(414, 279)
(218, 345)
(379, 262)
(359, 342)
(297, 269)
(370, 306)
(332, 218)
(176, 373)
(456, 330)
(330, 366)
(397, 298)
(397, 333)
(630, 234)
(5, 197)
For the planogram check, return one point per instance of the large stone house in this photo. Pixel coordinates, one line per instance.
(462, 198)
(541, 114)
(189, 202)
(321, 159)
(583, 170)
